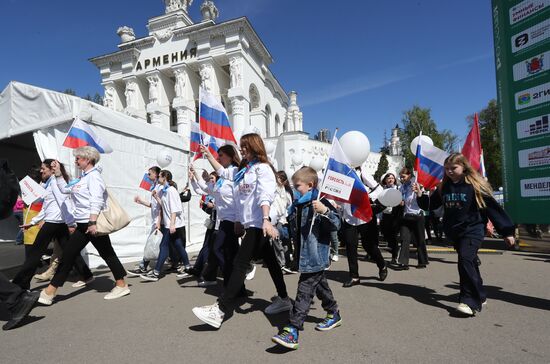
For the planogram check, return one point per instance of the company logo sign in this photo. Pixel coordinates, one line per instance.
(534, 157)
(527, 8)
(535, 34)
(532, 66)
(533, 127)
(535, 187)
(533, 96)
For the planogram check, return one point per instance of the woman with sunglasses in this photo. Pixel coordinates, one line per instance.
(225, 244)
(89, 196)
(52, 218)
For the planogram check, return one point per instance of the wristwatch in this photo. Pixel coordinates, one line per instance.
(267, 218)
(92, 223)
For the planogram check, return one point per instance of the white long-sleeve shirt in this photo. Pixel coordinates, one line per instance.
(256, 189)
(224, 196)
(89, 195)
(279, 208)
(155, 207)
(51, 211)
(171, 203)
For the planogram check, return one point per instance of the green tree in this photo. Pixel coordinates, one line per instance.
(418, 119)
(489, 130)
(382, 167)
(97, 99)
(69, 91)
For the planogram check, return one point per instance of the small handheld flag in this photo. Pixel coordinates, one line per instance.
(81, 135)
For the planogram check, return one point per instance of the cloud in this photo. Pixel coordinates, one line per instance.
(461, 62)
(355, 86)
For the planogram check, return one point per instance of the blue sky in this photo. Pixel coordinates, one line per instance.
(356, 64)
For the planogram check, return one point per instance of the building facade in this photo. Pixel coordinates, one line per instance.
(156, 79)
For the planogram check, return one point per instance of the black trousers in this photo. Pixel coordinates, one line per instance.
(369, 239)
(311, 284)
(9, 292)
(46, 234)
(388, 227)
(472, 292)
(223, 249)
(78, 240)
(412, 231)
(253, 244)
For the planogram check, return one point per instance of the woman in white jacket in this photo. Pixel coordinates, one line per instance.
(52, 219)
(89, 196)
(225, 244)
(255, 186)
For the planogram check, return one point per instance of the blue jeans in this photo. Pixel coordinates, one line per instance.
(177, 240)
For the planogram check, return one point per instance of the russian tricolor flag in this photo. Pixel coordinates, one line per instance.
(199, 138)
(81, 135)
(213, 117)
(338, 171)
(429, 164)
(147, 183)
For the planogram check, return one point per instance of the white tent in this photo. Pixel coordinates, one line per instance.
(47, 115)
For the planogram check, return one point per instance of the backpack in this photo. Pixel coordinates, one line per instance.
(9, 189)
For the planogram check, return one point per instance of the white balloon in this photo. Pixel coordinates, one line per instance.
(356, 146)
(297, 159)
(269, 147)
(425, 140)
(390, 197)
(316, 163)
(164, 158)
(251, 129)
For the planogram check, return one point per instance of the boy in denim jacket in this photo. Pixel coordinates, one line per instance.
(314, 255)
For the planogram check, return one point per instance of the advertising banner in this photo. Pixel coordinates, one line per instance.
(521, 32)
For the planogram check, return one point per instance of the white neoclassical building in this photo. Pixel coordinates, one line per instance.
(156, 80)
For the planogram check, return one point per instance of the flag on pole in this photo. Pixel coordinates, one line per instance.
(213, 118)
(147, 183)
(429, 164)
(81, 135)
(199, 138)
(472, 148)
(341, 183)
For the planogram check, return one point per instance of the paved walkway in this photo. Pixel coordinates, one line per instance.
(408, 318)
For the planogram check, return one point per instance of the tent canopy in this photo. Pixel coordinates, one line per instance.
(48, 115)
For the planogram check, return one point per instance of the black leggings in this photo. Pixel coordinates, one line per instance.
(224, 247)
(78, 240)
(253, 242)
(46, 234)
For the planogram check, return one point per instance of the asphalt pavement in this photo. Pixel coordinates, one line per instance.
(410, 317)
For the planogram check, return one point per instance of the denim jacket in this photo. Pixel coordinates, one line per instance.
(314, 247)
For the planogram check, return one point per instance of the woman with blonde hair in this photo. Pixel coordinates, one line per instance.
(89, 195)
(467, 199)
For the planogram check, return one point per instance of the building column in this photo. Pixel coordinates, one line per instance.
(240, 106)
(183, 103)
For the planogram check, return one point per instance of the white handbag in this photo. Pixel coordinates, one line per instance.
(112, 218)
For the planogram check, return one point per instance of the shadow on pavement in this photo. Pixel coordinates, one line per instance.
(496, 293)
(535, 257)
(422, 295)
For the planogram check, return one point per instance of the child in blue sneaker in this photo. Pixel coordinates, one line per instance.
(314, 256)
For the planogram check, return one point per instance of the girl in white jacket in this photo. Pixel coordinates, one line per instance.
(255, 186)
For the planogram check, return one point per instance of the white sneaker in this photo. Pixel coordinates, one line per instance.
(465, 309)
(183, 275)
(335, 258)
(211, 315)
(250, 275)
(207, 283)
(45, 298)
(117, 292)
(279, 305)
(79, 284)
